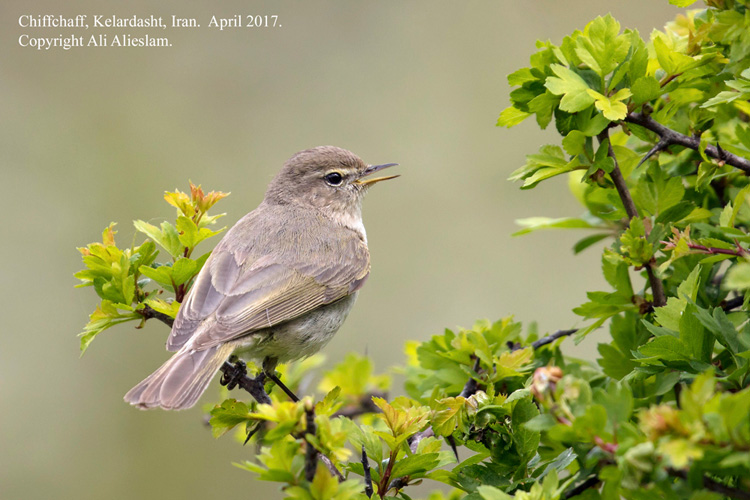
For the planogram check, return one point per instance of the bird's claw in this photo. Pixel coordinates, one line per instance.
(231, 378)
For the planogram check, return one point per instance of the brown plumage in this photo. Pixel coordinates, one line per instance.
(278, 285)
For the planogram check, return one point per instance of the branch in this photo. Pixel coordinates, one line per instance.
(368, 477)
(657, 287)
(552, 337)
(734, 303)
(236, 375)
(618, 179)
(148, 312)
(588, 483)
(670, 137)
(311, 454)
(331, 468)
(712, 485)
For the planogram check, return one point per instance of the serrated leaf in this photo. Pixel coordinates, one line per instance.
(511, 116)
(571, 86)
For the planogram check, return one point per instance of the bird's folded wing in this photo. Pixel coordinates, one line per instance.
(236, 295)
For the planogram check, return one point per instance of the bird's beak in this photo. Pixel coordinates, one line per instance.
(371, 169)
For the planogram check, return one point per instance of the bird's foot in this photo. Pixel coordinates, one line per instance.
(231, 377)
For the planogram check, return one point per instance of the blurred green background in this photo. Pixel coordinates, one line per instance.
(90, 136)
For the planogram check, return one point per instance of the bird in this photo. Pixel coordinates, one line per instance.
(279, 284)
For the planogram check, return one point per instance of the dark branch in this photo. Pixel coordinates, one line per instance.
(713, 485)
(368, 477)
(311, 454)
(734, 303)
(657, 287)
(552, 337)
(588, 483)
(471, 385)
(672, 137)
(148, 312)
(618, 179)
(252, 385)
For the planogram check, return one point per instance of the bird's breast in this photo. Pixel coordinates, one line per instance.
(300, 337)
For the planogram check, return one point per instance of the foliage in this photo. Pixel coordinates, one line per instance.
(654, 139)
(129, 280)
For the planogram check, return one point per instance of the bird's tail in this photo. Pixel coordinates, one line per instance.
(179, 382)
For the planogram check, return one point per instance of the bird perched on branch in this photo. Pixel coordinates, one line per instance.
(279, 284)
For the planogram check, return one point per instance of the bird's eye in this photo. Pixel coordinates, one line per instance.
(334, 178)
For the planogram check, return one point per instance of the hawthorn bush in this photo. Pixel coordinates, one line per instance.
(655, 141)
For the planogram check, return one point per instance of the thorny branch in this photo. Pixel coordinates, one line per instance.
(669, 137)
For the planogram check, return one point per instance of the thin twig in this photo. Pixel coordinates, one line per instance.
(148, 312)
(713, 485)
(471, 385)
(672, 137)
(618, 179)
(734, 303)
(368, 477)
(588, 483)
(552, 337)
(311, 454)
(657, 287)
(331, 468)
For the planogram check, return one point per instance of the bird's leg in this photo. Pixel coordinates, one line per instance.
(269, 368)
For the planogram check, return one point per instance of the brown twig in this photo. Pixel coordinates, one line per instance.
(311, 454)
(552, 337)
(657, 287)
(368, 477)
(331, 468)
(671, 137)
(588, 483)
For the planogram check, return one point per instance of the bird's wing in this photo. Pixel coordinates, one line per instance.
(243, 290)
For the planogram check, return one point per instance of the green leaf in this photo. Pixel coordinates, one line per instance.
(511, 116)
(601, 47)
(574, 142)
(645, 89)
(549, 162)
(738, 277)
(682, 3)
(586, 242)
(659, 195)
(182, 270)
(532, 224)
(666, 348)
(226, 416)
(161, 274)
(492, 493)
(571, 86)
(611, 107)
(694, 335)
(413, 464)
(167, 237)
(526, 440)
